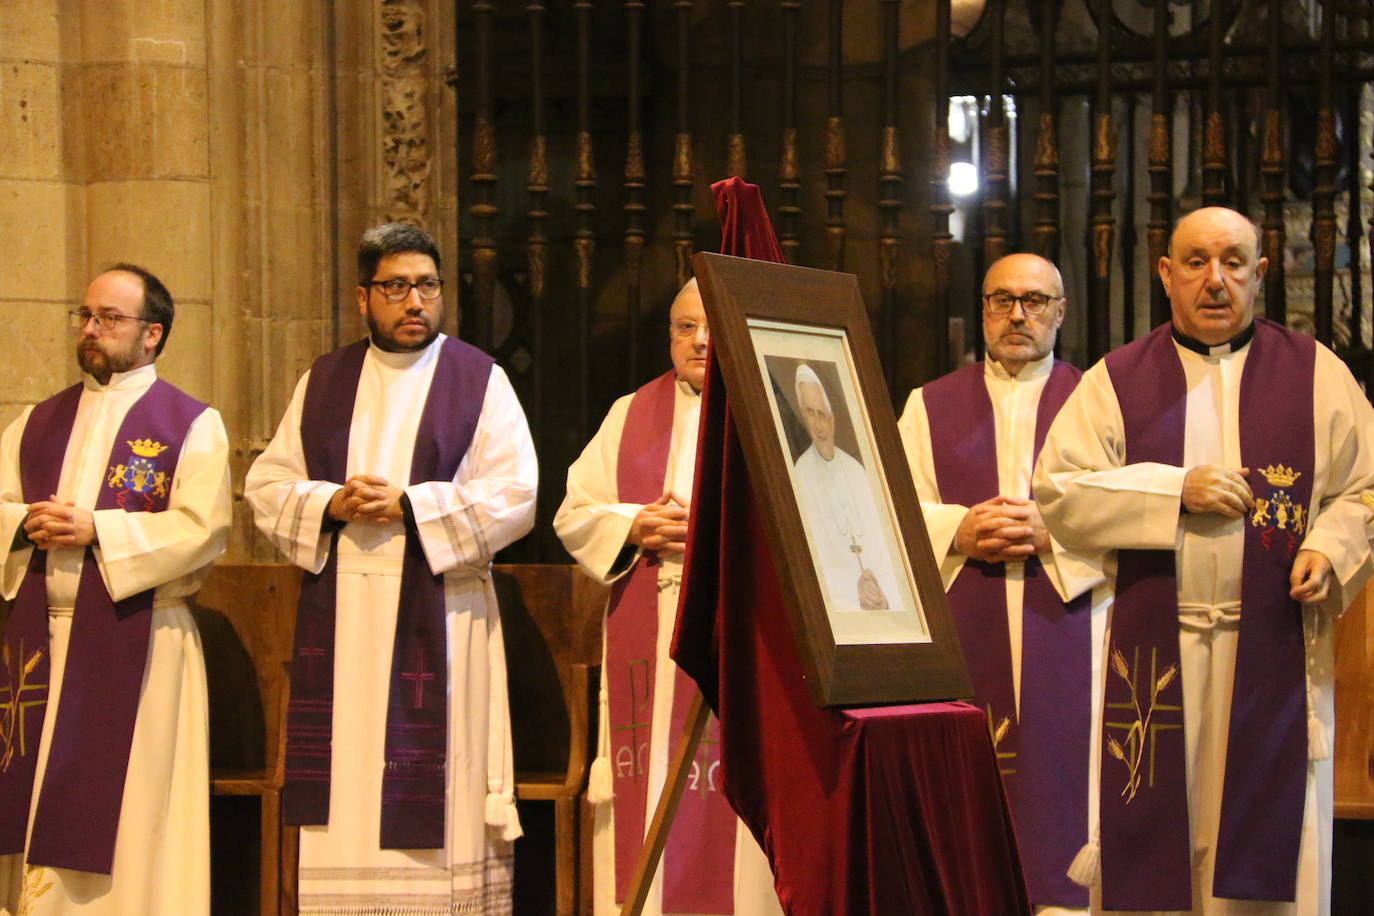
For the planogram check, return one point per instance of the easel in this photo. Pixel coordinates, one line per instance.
(675, 781)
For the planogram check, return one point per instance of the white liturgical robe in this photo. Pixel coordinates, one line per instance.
(593, 523)
(1015, 400)
(1093, 500)
(842, 525)
(461, 524)
(162, 848)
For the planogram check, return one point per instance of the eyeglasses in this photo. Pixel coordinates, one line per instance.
(397, 289)
(106, 321)
(687, 330)
(1031, 303)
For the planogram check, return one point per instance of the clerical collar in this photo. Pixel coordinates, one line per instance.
(1221, 349)
(141, 377)
(1035, 369)
(402, 359)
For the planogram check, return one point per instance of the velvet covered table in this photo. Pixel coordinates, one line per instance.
(881, 811)
(890, 811)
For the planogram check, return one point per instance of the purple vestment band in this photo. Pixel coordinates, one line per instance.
(1146, 845)
(413, 781)
(702, 841)
(1042, 750)
(83, 783)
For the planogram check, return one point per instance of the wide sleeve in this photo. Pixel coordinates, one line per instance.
(13, 509)
(490, 501)
(141, 550)
(591, 522)
(289, 507)
(1091, 499)
(942, 519)
(1341, 525)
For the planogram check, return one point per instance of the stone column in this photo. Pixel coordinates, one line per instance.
(42, 203)
(138, 98)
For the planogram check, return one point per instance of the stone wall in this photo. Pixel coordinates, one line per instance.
(236, 148)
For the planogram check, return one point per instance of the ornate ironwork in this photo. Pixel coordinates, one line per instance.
(835, 159)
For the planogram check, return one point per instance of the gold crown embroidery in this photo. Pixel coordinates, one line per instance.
(1280, 476)
(146, 448)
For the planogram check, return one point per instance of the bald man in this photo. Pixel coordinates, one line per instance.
(1223, 467)
(971, 439)
(624, 520)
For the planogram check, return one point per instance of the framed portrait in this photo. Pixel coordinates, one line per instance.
(816, 424)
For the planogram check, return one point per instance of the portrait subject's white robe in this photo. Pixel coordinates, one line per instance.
(1092, 500)
(593, 523)
(839, 513)
(1015, 400)
(162, 848)
(461, 524)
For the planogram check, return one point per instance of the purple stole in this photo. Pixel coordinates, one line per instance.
(417, 705)
(1146, 845)
(77, 818)
(1043, 752)
(698, 859)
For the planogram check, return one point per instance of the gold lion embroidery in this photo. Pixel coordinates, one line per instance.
(1278, 512)
(1367, 497)
(139, 480)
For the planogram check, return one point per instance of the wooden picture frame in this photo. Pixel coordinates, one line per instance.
(836, 495)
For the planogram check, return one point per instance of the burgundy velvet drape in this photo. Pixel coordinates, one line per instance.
(867, 811)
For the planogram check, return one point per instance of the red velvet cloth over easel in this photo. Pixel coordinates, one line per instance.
(895, 810)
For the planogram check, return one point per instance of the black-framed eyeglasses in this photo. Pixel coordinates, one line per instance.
(398, 288)
(106, 321)
(1031, 303)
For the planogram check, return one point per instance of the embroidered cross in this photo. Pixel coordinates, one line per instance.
(1141, 706)
(419, 675)
(309, 657)
(640, 696)
(13, 706)
(706, 762)
(997, 730)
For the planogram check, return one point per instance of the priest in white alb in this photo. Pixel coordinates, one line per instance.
(625, 521)
(971, 438)
(114, 501)
(1223, 468)
(402, 465)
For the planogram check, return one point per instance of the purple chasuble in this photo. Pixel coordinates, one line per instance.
(1146, 844)
(700, 851)
(1042, 752)
(77, 818)
(413, 781)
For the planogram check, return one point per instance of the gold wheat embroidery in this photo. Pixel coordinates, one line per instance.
(1133, 752)
(34, 887)
(12, 704)
(997, 730)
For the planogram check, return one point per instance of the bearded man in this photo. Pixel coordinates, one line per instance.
(402, 465)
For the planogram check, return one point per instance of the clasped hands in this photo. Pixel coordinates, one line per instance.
(55, 523)
(1225, 491)
(660, 527)
(1002, 529)
(365, 498)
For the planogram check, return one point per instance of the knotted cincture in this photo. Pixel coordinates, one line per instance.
(501, 814)
(1086, 867)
